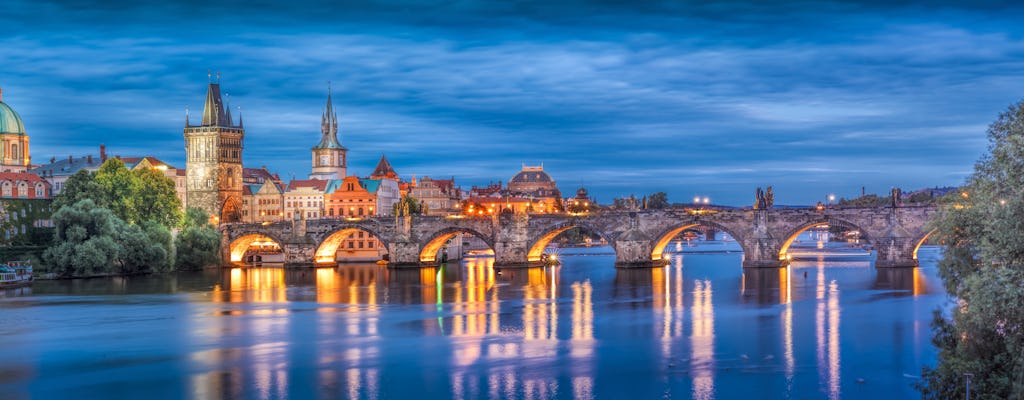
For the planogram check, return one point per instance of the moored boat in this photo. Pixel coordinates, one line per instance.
(15, 274)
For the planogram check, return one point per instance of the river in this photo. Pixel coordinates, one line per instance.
(701, 327)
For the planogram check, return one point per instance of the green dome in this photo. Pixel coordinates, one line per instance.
(10, 122)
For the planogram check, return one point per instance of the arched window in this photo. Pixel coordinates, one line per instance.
(39, 190)
(7, 189)
(14, 151)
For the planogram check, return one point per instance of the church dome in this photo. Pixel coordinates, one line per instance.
(10, 122)
(532, 176)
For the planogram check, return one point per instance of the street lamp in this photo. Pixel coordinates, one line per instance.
(696, 199)
(707, 200)
(831, 198)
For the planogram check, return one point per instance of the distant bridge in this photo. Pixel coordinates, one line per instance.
(638, 237)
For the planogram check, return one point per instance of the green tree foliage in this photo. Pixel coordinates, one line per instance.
(91, 240)
(80, 186)
(118, 184)
(657, 201)
(870, 200)
(138, 252)
(133, 196)
(153, 198)
(198, 244)
(983, 269)
(84, 238)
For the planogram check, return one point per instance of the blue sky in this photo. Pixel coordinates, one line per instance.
(689, 98)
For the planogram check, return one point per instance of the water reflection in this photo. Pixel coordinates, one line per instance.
(766, 285)
(902, 279)
(827, 332)
(702, 341)
(465, 330)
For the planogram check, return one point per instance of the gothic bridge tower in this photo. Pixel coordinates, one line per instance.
(329, 154)
(214, 160)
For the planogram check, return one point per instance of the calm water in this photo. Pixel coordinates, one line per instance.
(700, 328)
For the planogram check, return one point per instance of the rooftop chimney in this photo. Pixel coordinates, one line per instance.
(89, 158)
(1, 94)
(103, 153)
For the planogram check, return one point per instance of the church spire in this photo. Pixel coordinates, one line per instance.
(329, 126)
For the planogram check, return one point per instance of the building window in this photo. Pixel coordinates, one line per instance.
(7, 189)
(360, 244)
(39, 191)
(351, 245)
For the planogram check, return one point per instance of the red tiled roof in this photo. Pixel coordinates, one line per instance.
(318, 184)
(22, 176)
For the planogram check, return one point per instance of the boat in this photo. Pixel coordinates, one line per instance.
(15, 274)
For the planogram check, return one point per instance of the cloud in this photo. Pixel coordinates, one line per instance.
(625, 98)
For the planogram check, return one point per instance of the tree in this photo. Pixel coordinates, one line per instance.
(84, 238)
(118, 184)
(153, 198)
(133, 196)
(657, 201)
(198, 245)
(80, 186)
(139, 253)
(983, 269)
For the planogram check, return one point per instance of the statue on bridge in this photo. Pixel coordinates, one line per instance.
(896, 194)
(764, 200)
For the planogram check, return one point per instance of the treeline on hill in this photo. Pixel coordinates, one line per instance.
(874, 200)
(119, 221)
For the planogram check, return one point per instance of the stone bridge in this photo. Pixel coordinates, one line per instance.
(638, 237)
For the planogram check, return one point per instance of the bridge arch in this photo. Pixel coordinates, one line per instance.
(662, 240)
(327, 249)
(428, 252)
(791, 236)
(537, 246)
(245, 241)
(920, 242)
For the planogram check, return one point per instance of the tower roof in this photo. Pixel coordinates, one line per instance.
(215, 112)
(10, 121)
(384, 169)
(329, 127)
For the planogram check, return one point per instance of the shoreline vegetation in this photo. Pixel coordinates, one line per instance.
(120, 222)
(980, 338)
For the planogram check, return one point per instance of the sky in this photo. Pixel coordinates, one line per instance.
(623, 97)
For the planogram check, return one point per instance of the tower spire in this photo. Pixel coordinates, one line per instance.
(227, 110)
(329, 125)
(240, 126)
(213, 111)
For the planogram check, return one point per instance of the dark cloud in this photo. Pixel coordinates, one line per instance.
(709, 98)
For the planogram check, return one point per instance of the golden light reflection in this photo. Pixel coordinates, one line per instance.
(252, 285)
(702, 341)
(827, 332)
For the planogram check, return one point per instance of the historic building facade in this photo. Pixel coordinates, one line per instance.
(14, 154)
(441, 196)
(304, 199)
(329, 156)
(214, 160)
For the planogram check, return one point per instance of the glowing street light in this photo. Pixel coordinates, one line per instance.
(707, 200)
(696, 199)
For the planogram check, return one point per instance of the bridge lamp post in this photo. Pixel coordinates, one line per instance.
(696, 199)
(707, 200)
